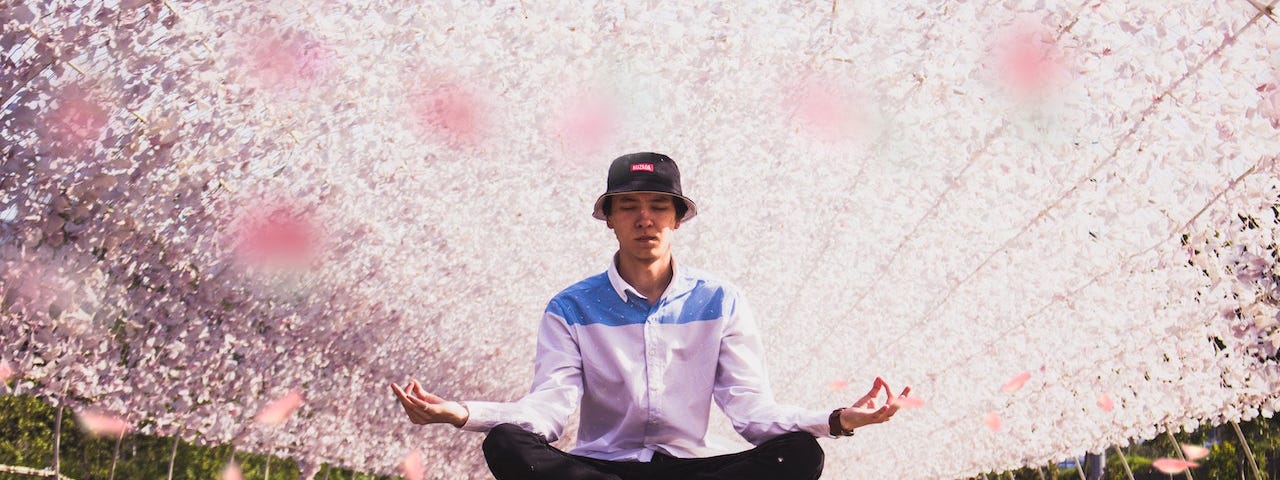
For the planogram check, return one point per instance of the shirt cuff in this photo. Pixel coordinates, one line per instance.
(482, 416)
(816, 422)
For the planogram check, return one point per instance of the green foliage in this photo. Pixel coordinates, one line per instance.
(26, 439)
(26, 432)
(1226, 460)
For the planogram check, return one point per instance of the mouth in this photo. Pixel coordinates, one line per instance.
(646, 238)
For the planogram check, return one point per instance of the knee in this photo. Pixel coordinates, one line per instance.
(509, 451)
(803, 452)
(504, 439)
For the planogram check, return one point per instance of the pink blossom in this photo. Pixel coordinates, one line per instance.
(78, 119)
(99, 424)
(588, 124)
(449, 110)
(412, 466)
(5, 371)
(838, 384)
(993, 421)
(1014, 384)
(824, 109)
(288, 60)
(1028, 60)
(1172, 465)
(278, 411)
(282, 234)
(908, 402)
(232, 472)
(1194, 452)
(1104, 402)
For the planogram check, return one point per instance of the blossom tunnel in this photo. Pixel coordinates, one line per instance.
(1055, 221)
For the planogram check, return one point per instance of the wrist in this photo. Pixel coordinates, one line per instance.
(837, 425)
(463, 413)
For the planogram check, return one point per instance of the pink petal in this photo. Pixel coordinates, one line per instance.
(1029, 60)
(1194, 452)
(102, 425)
(588, 125)
(278, 411)
(908, 402)
(838, 384)
(289, 60)
(279, 235)
(1104, 402)
(1172, 465)
(992, 421)
(5, 371)
(450, 111)
(412, 466)
(824, 109)
(232, 472)
(1016, 382)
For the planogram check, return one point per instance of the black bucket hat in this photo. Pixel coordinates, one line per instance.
(644, 172)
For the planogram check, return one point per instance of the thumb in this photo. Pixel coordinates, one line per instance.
(423, 394)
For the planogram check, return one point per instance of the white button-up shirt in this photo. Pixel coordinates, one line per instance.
(646, 374)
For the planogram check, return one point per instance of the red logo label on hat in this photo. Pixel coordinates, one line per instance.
(642, 167)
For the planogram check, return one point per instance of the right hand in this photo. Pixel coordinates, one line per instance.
(424, 408)
(865, 411)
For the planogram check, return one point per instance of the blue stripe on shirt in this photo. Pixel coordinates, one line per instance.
(594, 302)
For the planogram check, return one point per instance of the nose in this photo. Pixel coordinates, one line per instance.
(645, 218)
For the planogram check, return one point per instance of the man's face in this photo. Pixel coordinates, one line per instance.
(643, 223)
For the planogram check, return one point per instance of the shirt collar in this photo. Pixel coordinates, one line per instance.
(621, 287)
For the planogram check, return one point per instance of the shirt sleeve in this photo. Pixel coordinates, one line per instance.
(556, 391)
(742, 385)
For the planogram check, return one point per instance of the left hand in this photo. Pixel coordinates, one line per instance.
(865, 411)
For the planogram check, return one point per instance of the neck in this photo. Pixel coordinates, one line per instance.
(650, 277)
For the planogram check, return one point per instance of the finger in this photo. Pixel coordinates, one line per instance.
(892, 409)
(862, 401)
(871, 394)
(399, 393)
(887, 390)
(429, 397)
(880, 383)
(413, 399)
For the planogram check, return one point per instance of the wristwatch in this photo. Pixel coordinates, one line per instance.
(836, 428)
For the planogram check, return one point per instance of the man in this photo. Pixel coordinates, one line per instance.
(645, 347)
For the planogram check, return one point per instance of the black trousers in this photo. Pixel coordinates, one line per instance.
(515, 454)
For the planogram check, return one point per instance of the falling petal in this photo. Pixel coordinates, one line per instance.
(232, 472)
(992, 421)
(77, 120)
(102, 425)
(825, 109)
(1029, 61)
(281, 235)
(450, 111)
(289, 60)
(1172, 465)
(1016, 382)
(1194, 452)
(1104, 402)
(838, 384)
(908, 402)
(278, 411)
(412, 466)
(588, 124)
